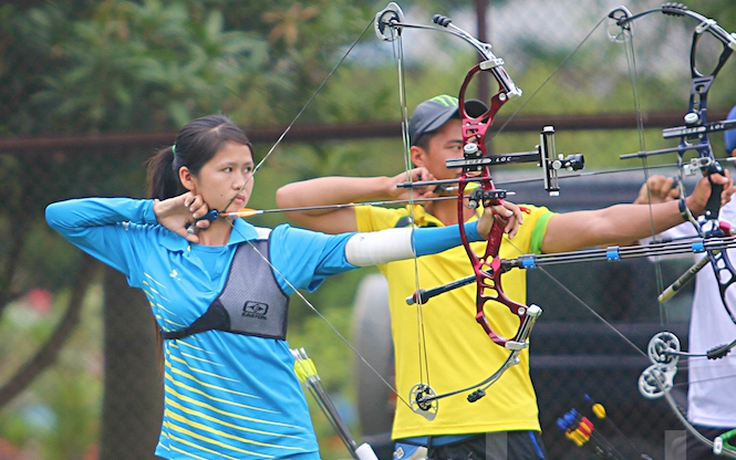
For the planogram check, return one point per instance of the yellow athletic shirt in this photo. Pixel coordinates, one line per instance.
(458, 353)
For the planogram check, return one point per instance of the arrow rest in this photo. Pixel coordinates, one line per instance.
(479, 196)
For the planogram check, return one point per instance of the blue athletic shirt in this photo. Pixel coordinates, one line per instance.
(226, 395)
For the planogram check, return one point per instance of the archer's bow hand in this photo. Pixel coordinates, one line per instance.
(179, 213)
(698, 200)
(658, 189)
(506, 213)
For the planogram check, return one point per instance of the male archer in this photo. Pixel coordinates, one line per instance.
(456, 352)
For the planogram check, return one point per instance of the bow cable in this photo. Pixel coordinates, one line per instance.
(388, 25)
(398, 48)
(626, 37)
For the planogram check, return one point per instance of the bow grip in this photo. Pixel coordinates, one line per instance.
(714, 201)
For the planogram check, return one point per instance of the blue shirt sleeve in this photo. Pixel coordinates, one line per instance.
(303, 259)
(431, 240)
(108, 229)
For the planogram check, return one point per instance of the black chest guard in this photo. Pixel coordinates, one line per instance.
(251, 303)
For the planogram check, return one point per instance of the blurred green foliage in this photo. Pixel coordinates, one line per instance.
(110, 66)
(58, 418)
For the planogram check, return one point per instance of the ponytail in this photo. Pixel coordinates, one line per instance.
(163, 182)
(163, 177)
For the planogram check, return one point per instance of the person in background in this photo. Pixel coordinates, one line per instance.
(504, 424)
(711, 395)
(219, 290)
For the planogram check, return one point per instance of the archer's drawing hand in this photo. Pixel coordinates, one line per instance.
(659, 189)
(506, 213)
(414, 175)
(180, 212)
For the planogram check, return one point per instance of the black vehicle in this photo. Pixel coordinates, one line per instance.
(573, 353)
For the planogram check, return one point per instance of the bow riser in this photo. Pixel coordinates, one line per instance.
(475, 128)
(487, 269)
(725, 276)
(696, 116)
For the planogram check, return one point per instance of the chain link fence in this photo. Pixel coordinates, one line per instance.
(79, 376)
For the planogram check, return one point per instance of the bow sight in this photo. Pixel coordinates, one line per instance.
(545, 156)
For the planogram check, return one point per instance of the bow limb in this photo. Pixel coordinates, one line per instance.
(660, 377)
(388, 26)
(727, 453)
(664, 350)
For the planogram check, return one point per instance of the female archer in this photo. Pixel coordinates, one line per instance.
(219, 290)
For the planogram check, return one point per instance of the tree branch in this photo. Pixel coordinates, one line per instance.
(48, 353)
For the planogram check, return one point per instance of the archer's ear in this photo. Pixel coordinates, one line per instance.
(417, 156)
(187, 178)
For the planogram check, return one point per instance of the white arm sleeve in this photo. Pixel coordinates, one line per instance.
(377, 248)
